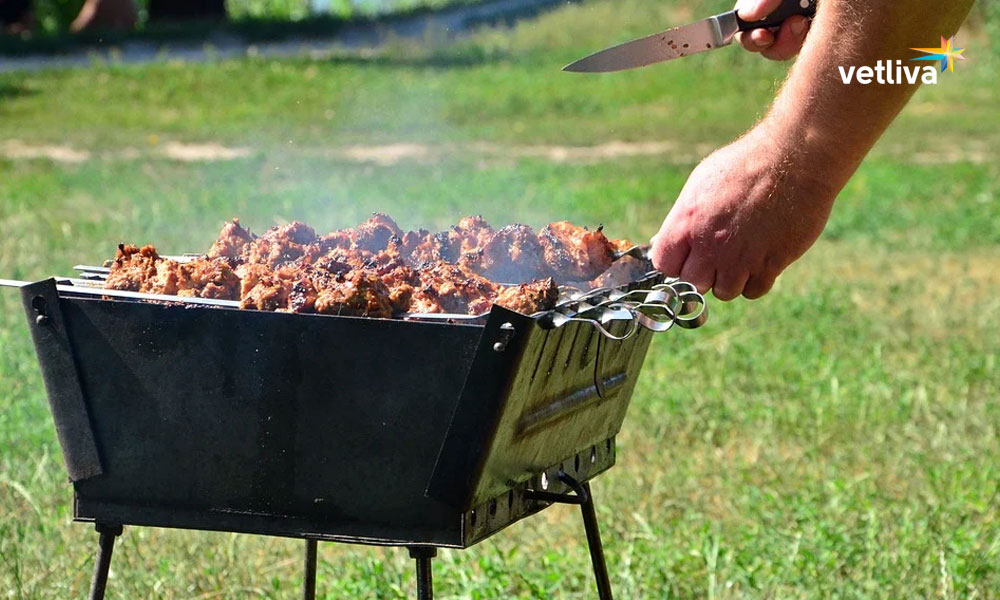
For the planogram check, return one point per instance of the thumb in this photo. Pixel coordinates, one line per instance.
(755, 10)
(669, 249)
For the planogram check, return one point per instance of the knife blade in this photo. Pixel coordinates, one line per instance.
(702, 36)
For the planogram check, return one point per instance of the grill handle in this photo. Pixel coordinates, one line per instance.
(657, 310)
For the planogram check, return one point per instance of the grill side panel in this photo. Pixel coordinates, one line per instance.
(268, 423)
(565, 390)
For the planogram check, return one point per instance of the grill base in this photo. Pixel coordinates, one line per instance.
(422, 555)
(455, 530)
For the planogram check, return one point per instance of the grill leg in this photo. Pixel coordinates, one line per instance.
(425, 583)
(595, 546)
(105, 546)
(309, 578)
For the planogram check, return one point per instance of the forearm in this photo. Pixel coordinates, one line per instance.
(827, 126)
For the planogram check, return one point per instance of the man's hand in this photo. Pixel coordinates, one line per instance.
(755, 206)
(747, 212)
(782, 45)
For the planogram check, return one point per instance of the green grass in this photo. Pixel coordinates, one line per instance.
(838, 438)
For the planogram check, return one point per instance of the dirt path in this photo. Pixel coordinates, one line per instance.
(382, 155)
(403, 152)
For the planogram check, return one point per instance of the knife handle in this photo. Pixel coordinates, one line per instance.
(788, 8)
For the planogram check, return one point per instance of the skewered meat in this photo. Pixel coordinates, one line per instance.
(378, 270)
(529, 298)
(280, 245)
(358, 293)
(423, 247)
(295, 232)
(143, 270)
(447, 288)
(511, 255)
(576, 252)
(374, 234)
(232, 241)
(132, 268)
(625, 270)
(207, 278)
(262, 289)
(471, 234)
(300, 287)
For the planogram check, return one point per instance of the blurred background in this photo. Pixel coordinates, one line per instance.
(838, 438)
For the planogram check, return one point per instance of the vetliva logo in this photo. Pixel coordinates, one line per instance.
(888, 72)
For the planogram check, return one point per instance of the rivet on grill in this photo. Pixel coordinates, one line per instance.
(39, 304)
(505, 335)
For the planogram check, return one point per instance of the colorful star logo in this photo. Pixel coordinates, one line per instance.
(947, 54)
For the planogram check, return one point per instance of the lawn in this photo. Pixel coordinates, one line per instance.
(838, 438)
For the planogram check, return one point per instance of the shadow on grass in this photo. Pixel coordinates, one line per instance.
(10, 91)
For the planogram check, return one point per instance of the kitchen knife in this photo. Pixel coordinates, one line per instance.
(709, 34)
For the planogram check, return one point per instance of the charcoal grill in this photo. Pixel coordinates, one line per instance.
(430, 432)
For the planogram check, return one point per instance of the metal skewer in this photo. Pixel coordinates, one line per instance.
(637, 252)
(88, 289)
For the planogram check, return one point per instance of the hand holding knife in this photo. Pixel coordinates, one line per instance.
(708, 34)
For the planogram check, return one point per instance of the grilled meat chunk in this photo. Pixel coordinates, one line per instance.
(280, 245)
(132, 268)
(301, 287)
(358, 293)
(511, 255)
(326, 244)
(447, 288)
(295, 232)
(529, 298)
(232, 241)
(575, 253)
(207, 278)
(262, 289)
(471, 234)
(422, 247)
(625, 270)
(374, 234)
(143, 270)
(402, 282)
(343, 238)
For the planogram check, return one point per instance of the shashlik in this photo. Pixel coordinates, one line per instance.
(378, 270)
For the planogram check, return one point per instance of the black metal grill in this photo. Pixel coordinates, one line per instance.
(411, 433)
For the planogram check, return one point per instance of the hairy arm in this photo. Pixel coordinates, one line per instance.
(754, 207)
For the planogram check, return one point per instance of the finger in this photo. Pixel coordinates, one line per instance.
(756, 40)
(698, 272)
(789, 40)
(755, 10)
(668, 253)
(758, 285)
(729, 284)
